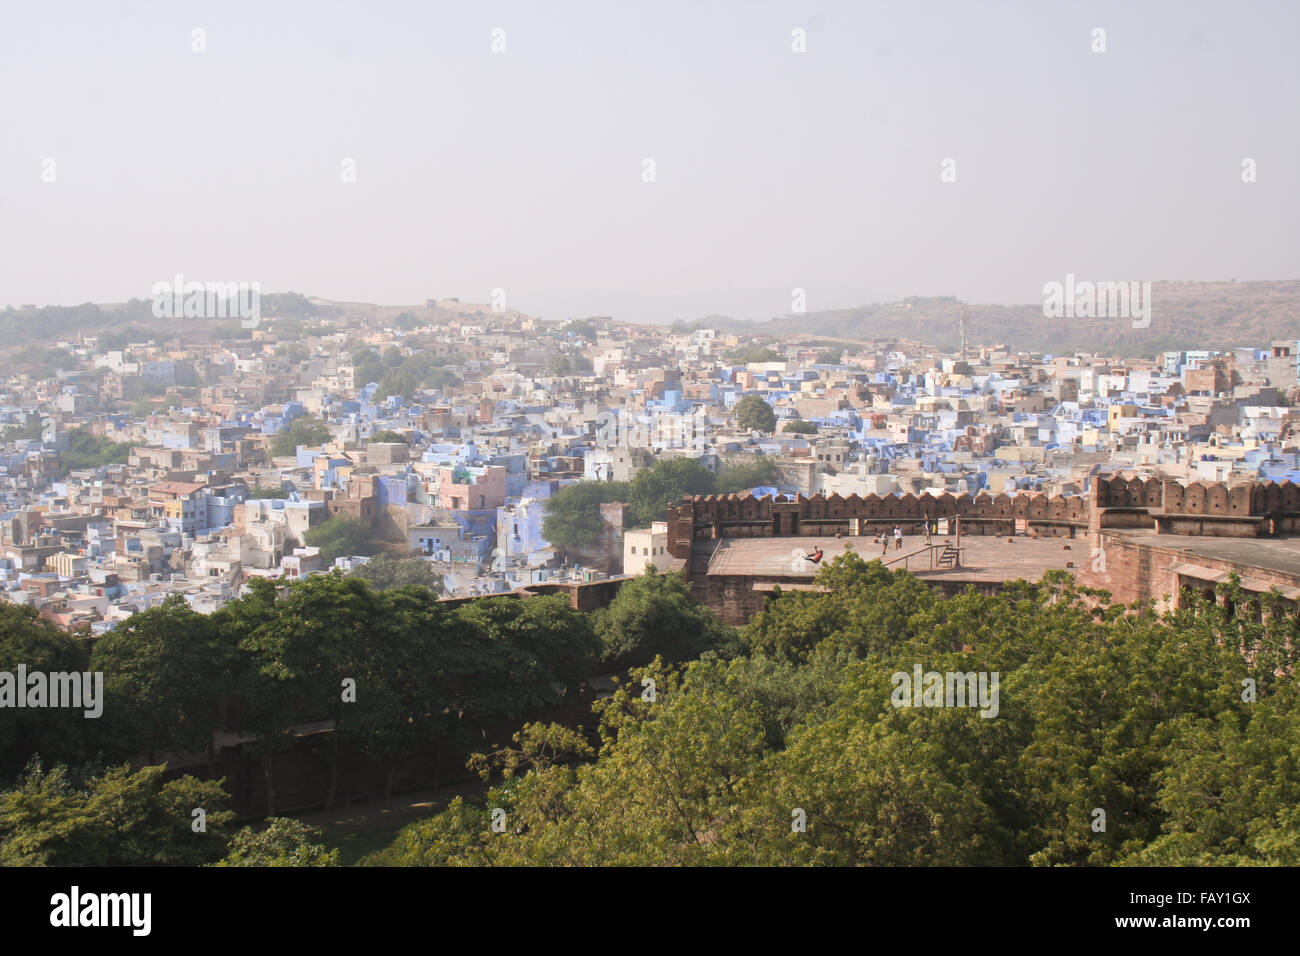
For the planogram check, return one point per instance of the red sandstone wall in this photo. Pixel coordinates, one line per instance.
(1134, 570)
(1116, 502)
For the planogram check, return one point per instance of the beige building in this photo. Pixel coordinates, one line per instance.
(67, 565)
(646, 545)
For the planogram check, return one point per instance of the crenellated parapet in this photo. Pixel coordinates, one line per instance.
(1212, 508)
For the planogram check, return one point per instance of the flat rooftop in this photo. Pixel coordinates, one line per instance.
(983, 557)
(1280, 554)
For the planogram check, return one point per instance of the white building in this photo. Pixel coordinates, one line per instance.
(646, 545)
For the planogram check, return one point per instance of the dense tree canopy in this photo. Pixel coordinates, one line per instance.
(741, 474)
(573, 520)
(415, 372)
(386, 570)
(1111, 736)
(307, 430)
(341, 536)
(119, 818)
(745, 354)
(797, 426)
(1115, 738)
(164, 669)
(655, 615)
(281, 841)
(754, 414)
(580, 328)
(390, 670)
(667, 480)
(86, 450)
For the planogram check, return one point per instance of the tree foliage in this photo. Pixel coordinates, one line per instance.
(797, 426)
(164, 671)
(341, 536)
(118, 818)
(744, 354)
(57, 734)
(86, 450)
(739, 474)
(654, 615)
(386, 570)
(307, 430)
(573, 520)
(281, 841)
(798, 752)
(667, 480)
(754, 414)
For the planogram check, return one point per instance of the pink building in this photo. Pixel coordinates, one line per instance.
(470, 488)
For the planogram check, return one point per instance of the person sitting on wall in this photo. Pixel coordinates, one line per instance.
(815, 557)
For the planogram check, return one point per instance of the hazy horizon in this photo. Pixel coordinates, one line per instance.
(523, 169)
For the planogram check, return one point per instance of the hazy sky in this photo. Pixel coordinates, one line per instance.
(523, 169)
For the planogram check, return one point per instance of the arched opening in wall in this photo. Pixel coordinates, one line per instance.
(1208, 595)
(1229, 607)
(1187, 597)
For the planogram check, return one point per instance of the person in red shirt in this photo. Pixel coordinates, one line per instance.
(816, 556)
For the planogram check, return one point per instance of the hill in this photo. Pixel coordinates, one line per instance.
(1184, 315)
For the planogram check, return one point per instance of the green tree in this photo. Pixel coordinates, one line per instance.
(341, 536)
(164, 681)
(739, 475)
(386, 570)
(655, 615)
(1098, 706)
(416, 372)
(754, 414)
(268, 699)
(368, 367)
(317, 636)
(281, 842)
(667, 480)
(263, 491)
(745, 354)
(31, 431)
(119, 818)
(307, 430)
(550, 643)
(55, 734)
(293, 351)
(581, 328)
(573, 520)
(1231, 790)
(797, 426)
(387, 435)
(424, 667)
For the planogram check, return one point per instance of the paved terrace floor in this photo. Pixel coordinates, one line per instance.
(983, 558)
(1281, 554)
